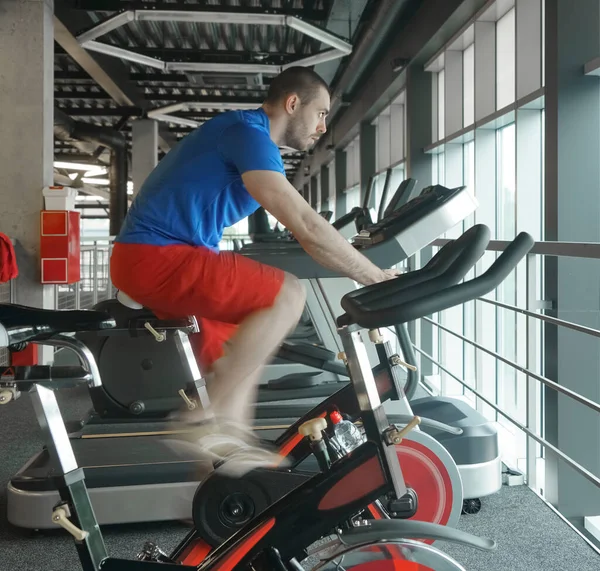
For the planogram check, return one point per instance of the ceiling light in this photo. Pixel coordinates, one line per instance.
(96, 172)
(99, 181)
(73, 166)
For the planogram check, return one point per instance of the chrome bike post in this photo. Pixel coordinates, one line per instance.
(372, 412)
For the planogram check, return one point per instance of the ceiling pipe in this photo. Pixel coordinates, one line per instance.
(378, 31)
(76, 132)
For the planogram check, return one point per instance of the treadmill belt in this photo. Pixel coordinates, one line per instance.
(117, 461)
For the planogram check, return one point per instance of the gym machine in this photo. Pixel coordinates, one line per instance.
(136, 478)
(327, 504)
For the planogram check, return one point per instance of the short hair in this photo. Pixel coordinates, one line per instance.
(302, 81)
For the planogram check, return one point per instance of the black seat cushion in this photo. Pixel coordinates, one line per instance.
(30, 323)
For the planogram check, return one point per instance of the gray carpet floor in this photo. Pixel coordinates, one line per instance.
(530, 536)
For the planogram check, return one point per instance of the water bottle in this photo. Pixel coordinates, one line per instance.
(347, 435)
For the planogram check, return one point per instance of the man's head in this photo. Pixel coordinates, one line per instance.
(298, 99)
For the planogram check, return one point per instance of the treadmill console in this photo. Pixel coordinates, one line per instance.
(430, 199)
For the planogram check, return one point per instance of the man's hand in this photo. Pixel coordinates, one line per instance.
(318, 238)
(390, 274)
(385, 275)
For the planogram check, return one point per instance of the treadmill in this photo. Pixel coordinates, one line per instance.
(138, 478)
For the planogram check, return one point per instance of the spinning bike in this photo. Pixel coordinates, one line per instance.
(330, 504)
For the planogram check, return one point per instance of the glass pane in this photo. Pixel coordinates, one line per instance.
(441, 104)
(469, 85)
(506, 200)
(352, 198)
(505, 60)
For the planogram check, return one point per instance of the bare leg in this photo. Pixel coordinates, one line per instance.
(235, 376)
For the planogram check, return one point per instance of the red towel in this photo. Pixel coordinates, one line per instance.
(8, 260)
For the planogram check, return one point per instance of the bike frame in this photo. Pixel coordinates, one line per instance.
(310, 511)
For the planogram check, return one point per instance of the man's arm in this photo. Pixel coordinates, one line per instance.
(318, 238)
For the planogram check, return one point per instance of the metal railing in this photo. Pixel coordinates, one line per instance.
(533, 315)
(95, 284)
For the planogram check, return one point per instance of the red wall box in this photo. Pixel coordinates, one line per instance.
(60, 246)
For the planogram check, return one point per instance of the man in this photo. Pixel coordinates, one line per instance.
(166, 256)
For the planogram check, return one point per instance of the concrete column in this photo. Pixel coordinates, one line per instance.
(144, 150)
(368, 160)
(340, 183)
(419, 165)
(314, 192)
(572, 204)
(324, 174)
(26, 117)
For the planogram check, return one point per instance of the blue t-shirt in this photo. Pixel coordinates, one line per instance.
(196, 190)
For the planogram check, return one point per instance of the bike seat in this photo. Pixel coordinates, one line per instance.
(23, 323)
(128, 301)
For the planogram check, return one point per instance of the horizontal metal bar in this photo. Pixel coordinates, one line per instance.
(209, 17)
(211, 67)
(568, 392)
(174, 119)
(546, 318)
(561, 249)
(106, 26)
(317, 33)
(115, 51)
(583, 471)
(316, 59)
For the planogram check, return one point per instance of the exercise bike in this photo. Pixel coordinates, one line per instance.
(428, 467)
(330, 504)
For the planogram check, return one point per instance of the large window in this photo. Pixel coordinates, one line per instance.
(500, 160)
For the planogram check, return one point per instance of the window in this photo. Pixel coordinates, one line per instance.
(332, 187)
(353, 197)
(469, 86)
(441, 92)
(505, 60)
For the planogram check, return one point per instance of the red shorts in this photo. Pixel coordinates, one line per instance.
(220, 289)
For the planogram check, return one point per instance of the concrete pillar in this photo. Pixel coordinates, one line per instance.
(368, 160)
(324, 176)
(572, 203)
(26, 124)
(144, 150)
(419, 166)
(340, 183)
(314, 192)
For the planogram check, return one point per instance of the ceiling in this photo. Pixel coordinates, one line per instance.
(183, 62)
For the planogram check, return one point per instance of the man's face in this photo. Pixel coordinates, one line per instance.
(307, 122)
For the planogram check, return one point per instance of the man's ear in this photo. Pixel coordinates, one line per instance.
(291, 103)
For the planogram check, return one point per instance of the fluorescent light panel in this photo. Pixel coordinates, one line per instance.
(73, 166)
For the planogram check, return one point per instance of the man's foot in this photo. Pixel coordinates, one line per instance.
(231, 447)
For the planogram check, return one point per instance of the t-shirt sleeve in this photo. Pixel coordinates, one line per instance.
(249, 148)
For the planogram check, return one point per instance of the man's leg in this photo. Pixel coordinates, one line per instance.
(264, 303)
(233, 383)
